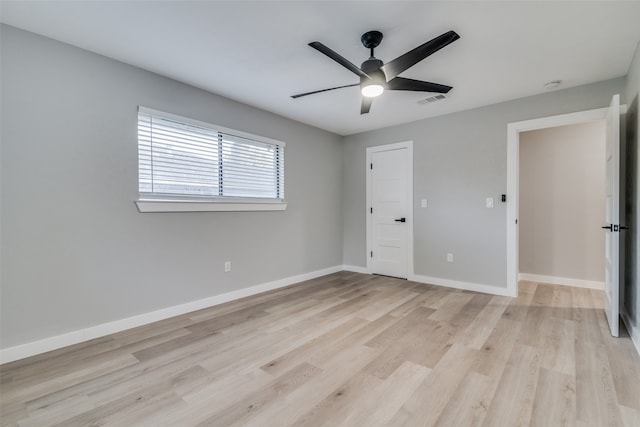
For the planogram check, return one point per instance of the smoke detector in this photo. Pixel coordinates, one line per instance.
(552, 84)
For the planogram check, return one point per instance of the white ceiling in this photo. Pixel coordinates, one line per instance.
(257, 53)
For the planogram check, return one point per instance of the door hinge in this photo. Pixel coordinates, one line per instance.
(371, 254)
(370, 165)
(371, 210)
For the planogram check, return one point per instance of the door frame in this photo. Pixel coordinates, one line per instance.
(388, 147)
(513, 175)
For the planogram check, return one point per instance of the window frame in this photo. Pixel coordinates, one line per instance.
(188, 203)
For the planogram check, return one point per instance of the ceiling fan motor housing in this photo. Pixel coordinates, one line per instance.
(372, 67)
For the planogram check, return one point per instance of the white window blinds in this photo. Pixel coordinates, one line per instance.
(180, 157)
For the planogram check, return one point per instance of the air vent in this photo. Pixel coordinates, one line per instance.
(434, 98)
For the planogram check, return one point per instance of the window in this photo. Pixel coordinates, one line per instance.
(182, 160)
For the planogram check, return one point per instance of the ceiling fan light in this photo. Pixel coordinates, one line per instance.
(372, 90)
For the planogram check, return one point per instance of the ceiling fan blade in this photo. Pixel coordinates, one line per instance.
(400, 83)
(366, 105)
(338, 58)
(322, 90)
(411, 58)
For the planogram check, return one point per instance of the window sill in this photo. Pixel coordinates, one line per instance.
(149, 205)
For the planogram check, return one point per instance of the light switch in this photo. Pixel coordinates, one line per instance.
(489, 202)
(423, 203)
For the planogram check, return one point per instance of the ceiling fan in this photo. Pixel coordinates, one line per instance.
(375, 76)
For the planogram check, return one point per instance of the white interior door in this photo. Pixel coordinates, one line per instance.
(612, 216)
(390, 211)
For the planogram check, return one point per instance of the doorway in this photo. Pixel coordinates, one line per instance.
(611, 115)
(389, 216)
(561, 205)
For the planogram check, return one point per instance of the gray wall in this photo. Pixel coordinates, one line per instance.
(631, 291)
(75, 251)
(561, 201)
(459, 160)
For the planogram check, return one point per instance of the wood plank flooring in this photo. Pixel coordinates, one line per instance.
(345, 350)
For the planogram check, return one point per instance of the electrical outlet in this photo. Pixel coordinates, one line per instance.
(489, 202)
(423, 203)
(227, 266)
(449, 257)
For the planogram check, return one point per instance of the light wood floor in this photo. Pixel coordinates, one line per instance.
(345, 350)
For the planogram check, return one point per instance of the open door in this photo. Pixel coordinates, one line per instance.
(612, 216)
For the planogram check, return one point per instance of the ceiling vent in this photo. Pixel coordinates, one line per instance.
(434, 98)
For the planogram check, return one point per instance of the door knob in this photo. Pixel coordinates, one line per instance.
(608, 227)
(401, 220)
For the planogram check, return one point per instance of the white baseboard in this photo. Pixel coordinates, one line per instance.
(52, 343)
(467, 286)
(487, 289)
(578, 283)
(355, 269)
(634, 330)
